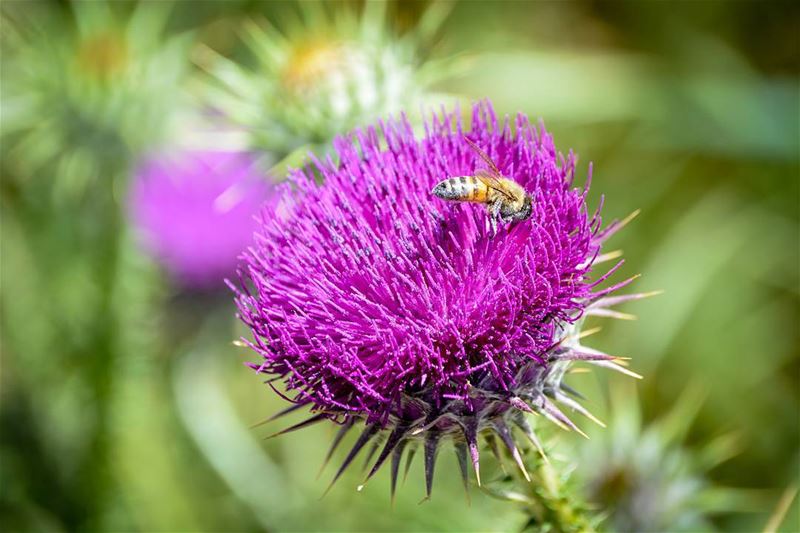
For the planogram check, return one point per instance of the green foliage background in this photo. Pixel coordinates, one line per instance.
(126, 407)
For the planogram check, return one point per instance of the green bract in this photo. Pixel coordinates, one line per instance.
(323, 74)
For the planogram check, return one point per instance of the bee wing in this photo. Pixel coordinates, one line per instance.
(483, 155)
(492, 180)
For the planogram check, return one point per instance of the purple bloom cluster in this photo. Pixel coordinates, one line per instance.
(196, 211)
(377, 301)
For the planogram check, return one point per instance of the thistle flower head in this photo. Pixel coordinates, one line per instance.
(375, 301)
(195, 211)
(648, 478)
(81, 99)
(321, 75)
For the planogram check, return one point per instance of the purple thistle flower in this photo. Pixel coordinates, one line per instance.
(196, 211)
(375, 301)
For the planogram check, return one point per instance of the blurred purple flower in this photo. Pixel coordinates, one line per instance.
(376, 301)
(196, 211)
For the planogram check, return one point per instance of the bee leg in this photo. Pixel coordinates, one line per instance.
(494, 216)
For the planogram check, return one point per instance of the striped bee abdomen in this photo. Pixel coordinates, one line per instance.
(461, 188)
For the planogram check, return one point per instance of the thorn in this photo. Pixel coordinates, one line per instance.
(409, 458)
(557, 422)
(586, 333)
(531, 435)
(582, 353)
(608, 313)
(520, 464)
(505, 435)
(431, 447)
(628, 218)
(365, 436)
(335, 444)
(397, 455)
(475, 456)
(579, 335)
(580, 432)
(371, 454)
(613, 366)
(539, 448)
(470, 429)
(239, 344)
(279, 414)
(597, 296)
(555, 415)
(392, 441)
(650, 294)
(610, 301)
(313, 420)
(520, 404)
(575, 406)
(609, 256)
(569, 390)
(615, 226)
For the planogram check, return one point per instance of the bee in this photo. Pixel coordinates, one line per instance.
(504, 198)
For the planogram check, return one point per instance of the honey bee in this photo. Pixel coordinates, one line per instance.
(504, 198)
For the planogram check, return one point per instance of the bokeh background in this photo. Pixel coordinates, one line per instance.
(138, 139)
